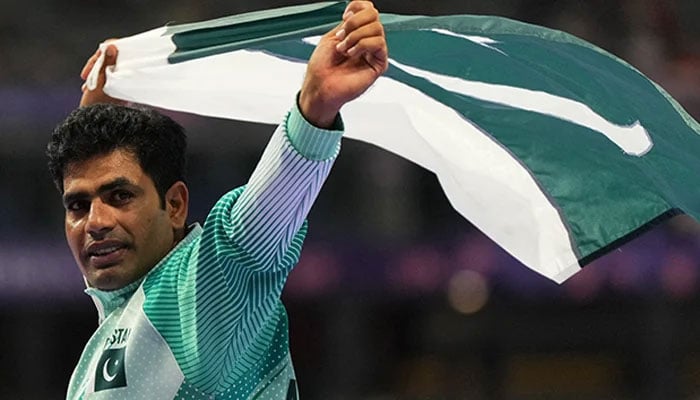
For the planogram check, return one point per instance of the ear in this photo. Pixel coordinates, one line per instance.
(176, 204)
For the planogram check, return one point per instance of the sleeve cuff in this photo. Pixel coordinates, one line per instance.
(312, 142)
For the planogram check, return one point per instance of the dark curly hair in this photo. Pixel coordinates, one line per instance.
(156, 140)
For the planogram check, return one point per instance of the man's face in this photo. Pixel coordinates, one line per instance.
(115, 225)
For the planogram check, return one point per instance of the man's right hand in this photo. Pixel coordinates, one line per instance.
(98, 95)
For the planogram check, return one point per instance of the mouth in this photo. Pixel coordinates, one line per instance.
(104, 255)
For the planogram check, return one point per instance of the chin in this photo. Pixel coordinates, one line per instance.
(107, 285)
(107, 280)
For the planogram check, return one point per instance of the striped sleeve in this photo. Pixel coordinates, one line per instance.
(250, 241)
(282, 189)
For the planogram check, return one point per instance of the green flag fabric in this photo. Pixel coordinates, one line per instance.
(554, 148)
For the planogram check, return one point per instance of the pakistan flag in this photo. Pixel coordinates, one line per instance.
(555, 149)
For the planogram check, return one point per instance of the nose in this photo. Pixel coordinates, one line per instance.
(100, 220)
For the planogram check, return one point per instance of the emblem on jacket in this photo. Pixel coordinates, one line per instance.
(110, 372)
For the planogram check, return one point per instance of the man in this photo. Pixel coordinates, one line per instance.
(194, 312)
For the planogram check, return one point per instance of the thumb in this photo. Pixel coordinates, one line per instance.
(110, 55)
(97, 80)
(96, 76)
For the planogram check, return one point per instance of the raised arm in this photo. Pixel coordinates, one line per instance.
(264, 224)
(346, 62)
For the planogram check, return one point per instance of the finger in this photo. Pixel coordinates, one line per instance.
(353, 38)
(374, 51)
(110, 55)
(89, 64)
(355, 7)
(336, 32)
(353, 21)
(110, 59)
(378, 61)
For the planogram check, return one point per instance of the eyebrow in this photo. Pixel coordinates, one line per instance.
(114, 184)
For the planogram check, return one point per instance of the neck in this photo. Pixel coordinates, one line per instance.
(178, 235)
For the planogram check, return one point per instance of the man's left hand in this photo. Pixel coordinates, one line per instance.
(346, 62)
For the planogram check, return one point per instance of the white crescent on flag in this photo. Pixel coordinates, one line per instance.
(555, 149)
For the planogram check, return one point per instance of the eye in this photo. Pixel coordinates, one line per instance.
(78, 206)
(121, 196)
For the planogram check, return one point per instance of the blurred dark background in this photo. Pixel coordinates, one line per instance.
(396, 296)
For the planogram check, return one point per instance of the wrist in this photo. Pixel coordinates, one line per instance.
(317, 111)
(310, 141)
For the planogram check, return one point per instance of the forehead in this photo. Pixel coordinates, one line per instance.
(91, 173)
